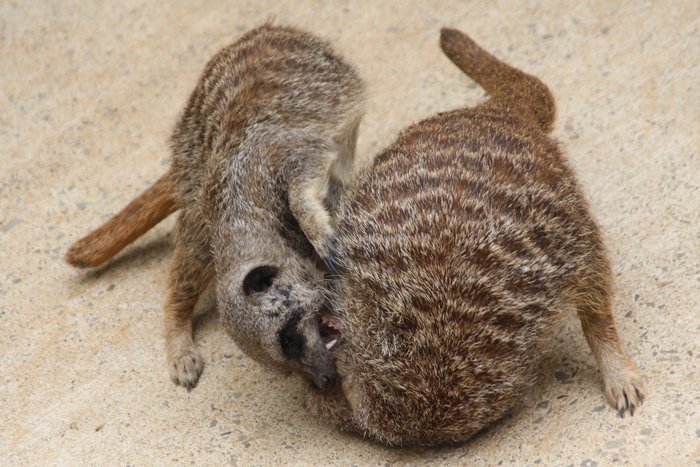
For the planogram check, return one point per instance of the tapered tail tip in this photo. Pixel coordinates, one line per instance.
(448, 37)
(451, 38)
(458, 46)
(447, 34)
(77, 258)
(73, 259)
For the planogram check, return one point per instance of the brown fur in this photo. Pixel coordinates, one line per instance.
(458, 247)
(265, 143)
(139, 216)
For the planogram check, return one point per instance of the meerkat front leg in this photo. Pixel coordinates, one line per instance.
(308, 190)
(342, 170)
(189, 275)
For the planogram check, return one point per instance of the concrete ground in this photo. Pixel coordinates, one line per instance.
(89, 93)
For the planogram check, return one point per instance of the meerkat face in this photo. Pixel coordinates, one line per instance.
(273, 311)
(307, 349)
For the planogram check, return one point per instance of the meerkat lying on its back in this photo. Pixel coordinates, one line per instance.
(457, 248)
(262, 150)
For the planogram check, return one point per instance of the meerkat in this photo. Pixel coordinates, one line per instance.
(457, 248)
(259, 156)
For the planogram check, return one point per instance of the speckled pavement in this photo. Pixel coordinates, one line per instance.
(89, 92)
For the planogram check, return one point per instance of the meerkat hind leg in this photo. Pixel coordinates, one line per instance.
(190, 273)
(622, 381)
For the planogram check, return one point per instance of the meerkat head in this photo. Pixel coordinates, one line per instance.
(273, 309)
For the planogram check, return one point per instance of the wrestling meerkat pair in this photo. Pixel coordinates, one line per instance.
(262, 150)
(457, 248)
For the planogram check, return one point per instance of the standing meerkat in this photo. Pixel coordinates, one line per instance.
(458, 247)
(265, 144)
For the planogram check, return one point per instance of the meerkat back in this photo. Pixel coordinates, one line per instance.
(458, 247)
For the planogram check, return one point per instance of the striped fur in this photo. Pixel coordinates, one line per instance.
(262, 150)
(458, 248)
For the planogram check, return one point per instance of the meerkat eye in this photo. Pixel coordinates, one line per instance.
(259, 279)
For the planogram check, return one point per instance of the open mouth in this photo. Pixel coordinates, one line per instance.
(330, 328)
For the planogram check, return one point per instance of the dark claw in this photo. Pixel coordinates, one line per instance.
(627, 402)
(331, 260)
(631, 410)
(640, 396)
(621, 412)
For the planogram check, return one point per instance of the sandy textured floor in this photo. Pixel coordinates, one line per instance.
(89, 94)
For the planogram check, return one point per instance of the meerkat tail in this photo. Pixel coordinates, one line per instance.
(508, 86)
(139, 216)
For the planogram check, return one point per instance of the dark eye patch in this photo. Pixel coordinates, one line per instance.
(259, 279)
(291, 341)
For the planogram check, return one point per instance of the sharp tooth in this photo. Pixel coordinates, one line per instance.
(330, 345)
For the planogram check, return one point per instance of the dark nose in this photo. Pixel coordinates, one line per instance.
(325, 381)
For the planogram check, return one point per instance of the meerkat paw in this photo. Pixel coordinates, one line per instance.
(624, 387)
(324, 244)
(185, 363)
(331, 258)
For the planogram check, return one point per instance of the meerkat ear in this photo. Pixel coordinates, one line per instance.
(259, 279)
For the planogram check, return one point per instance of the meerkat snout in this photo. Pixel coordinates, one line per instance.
(304, 345)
